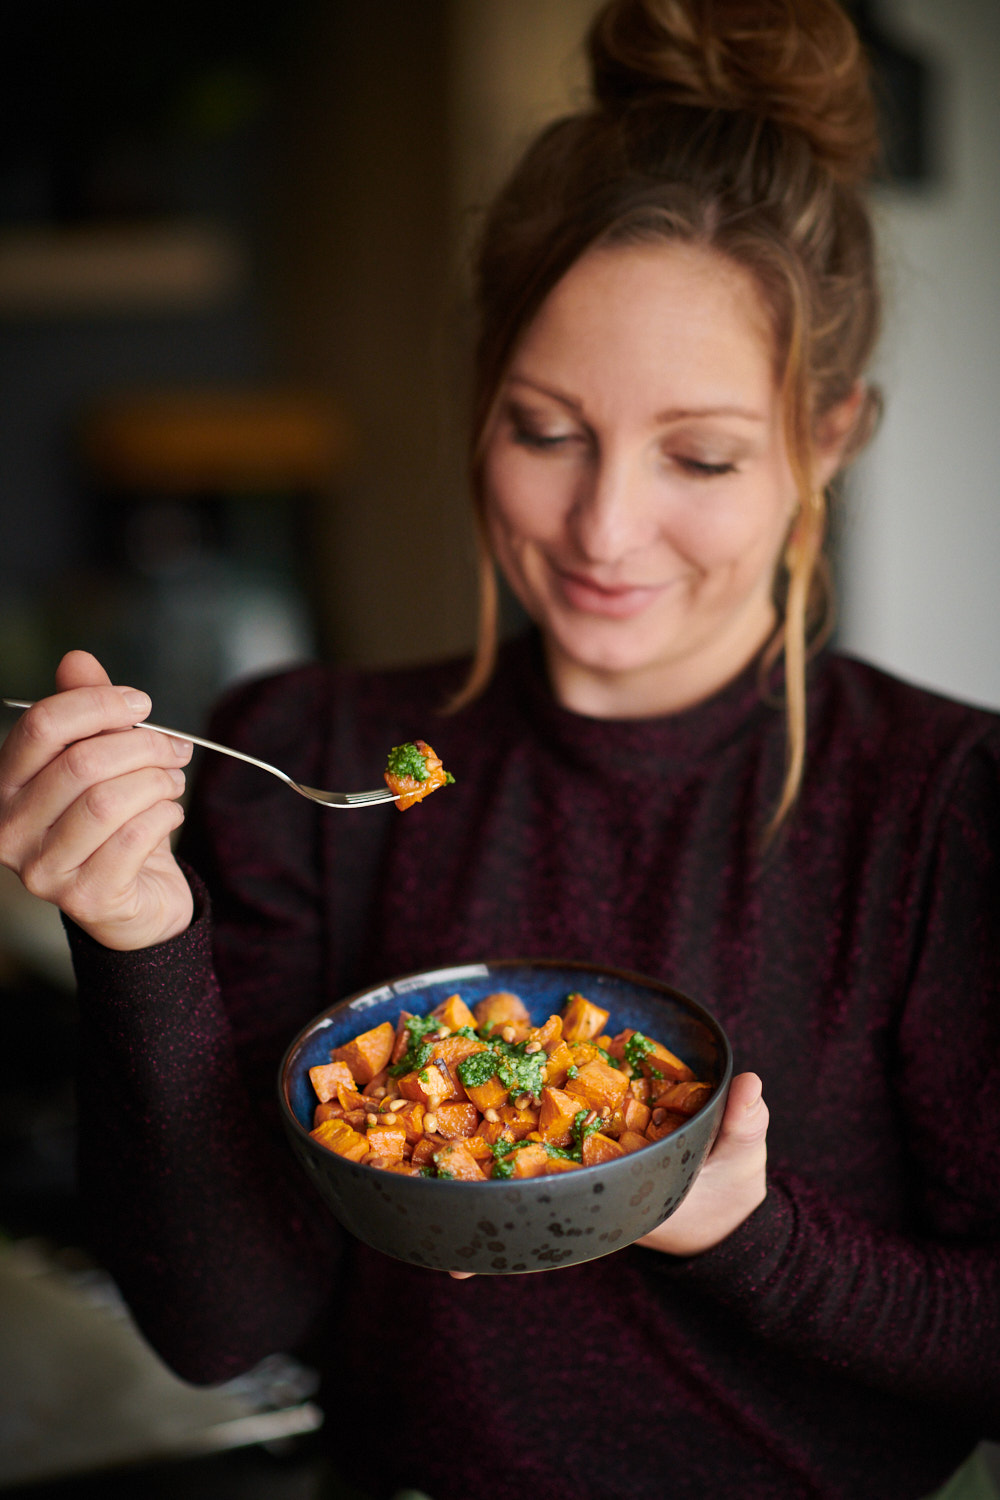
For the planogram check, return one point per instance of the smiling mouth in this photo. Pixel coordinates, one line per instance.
(615, 601)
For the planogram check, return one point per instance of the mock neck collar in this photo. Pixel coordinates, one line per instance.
(636, 748)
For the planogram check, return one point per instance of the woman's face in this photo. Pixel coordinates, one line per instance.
(637, 485)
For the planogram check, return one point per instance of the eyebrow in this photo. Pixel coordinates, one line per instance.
(671, 414)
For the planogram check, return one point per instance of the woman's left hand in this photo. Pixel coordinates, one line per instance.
(731, 1184)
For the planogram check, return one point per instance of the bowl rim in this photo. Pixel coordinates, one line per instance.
(385, 990)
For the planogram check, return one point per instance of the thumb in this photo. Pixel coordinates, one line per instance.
(80, 669)
(745, 1120)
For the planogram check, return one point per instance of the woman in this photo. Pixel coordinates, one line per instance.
(678, 303)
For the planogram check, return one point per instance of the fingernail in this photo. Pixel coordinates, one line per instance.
(182, 748)
(135, 701)
(178, 778)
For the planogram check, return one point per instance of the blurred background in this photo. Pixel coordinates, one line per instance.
(233, 340)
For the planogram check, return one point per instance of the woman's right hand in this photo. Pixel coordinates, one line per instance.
(87, 807)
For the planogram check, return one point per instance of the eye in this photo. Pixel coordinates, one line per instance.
(700, 468)
(537, 436)
(539, 442)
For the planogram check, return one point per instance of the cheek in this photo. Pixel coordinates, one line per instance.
(521, 503)
(745, 531)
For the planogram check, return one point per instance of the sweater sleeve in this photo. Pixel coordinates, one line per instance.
(914, 1312)
(220, 1246)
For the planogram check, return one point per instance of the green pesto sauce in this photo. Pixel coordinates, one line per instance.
(519, 1071)
(417, 1050)
(407, 760)
(635, 1050)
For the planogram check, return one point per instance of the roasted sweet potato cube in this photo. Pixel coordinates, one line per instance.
(598, 1086)
(479, 1148)
(401, 1039)
(379, 1084)
(598, 1148)
(529, 1161)
(672, 1120)
(556, 1115)
(386, 1141)
(560, 1061)
(456, 1160)
(687, 1097)
(518, 1122)
(331, 1111)
(349, 1098)
(636, 1114)
(558, 1164)
(502, 1009)
(455, 1120)
(632, 1140)
(368, 1053)
(430, 1085)
(423, 1151)
(488, 1095)
(338, 1136)
(410, 1115)
(641, 1088)
(455, 1049)
(582, 1019)
(326, 1078)
(585, 1052)
(454, 1012)
(492, 1131)
(658, 1062)
(549, 1035)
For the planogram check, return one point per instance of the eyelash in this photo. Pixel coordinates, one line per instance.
(540, 442)
(700, 470)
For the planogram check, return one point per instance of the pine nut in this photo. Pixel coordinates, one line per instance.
(508, 1033)
(491, 1114)
(522, 1101)
(659, 1115)
(533, 1047)
(430, 1124)
(371, 1119)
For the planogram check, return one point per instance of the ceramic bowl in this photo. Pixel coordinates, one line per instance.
(502, 1227)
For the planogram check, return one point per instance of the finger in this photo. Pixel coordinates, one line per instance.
(745, 1121)
(44, 731)
(109, 810)
(80, 669)
(461, 1275)
(107, 889)
(80, 770)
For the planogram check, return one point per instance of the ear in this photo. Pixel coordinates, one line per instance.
(834, 432)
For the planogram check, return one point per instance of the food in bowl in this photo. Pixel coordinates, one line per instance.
(519, 1224)
(476, 1094)
(413, 771)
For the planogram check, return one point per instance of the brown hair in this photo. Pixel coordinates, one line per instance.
(746, 127)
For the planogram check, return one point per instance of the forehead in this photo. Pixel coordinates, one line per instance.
(655, 316)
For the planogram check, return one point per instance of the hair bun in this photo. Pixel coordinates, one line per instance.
(798, 63)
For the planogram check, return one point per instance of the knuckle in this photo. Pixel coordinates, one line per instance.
(81, 761)
(99, 802)
(39, 723)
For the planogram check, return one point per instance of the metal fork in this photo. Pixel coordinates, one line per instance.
(326, 799)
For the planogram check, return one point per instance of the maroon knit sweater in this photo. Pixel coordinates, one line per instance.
(845, 1341)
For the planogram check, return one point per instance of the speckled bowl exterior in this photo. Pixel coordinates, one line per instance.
(502, 1227)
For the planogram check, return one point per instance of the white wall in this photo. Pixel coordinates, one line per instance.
(920, 569)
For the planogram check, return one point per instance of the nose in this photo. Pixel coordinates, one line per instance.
(612, 514)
